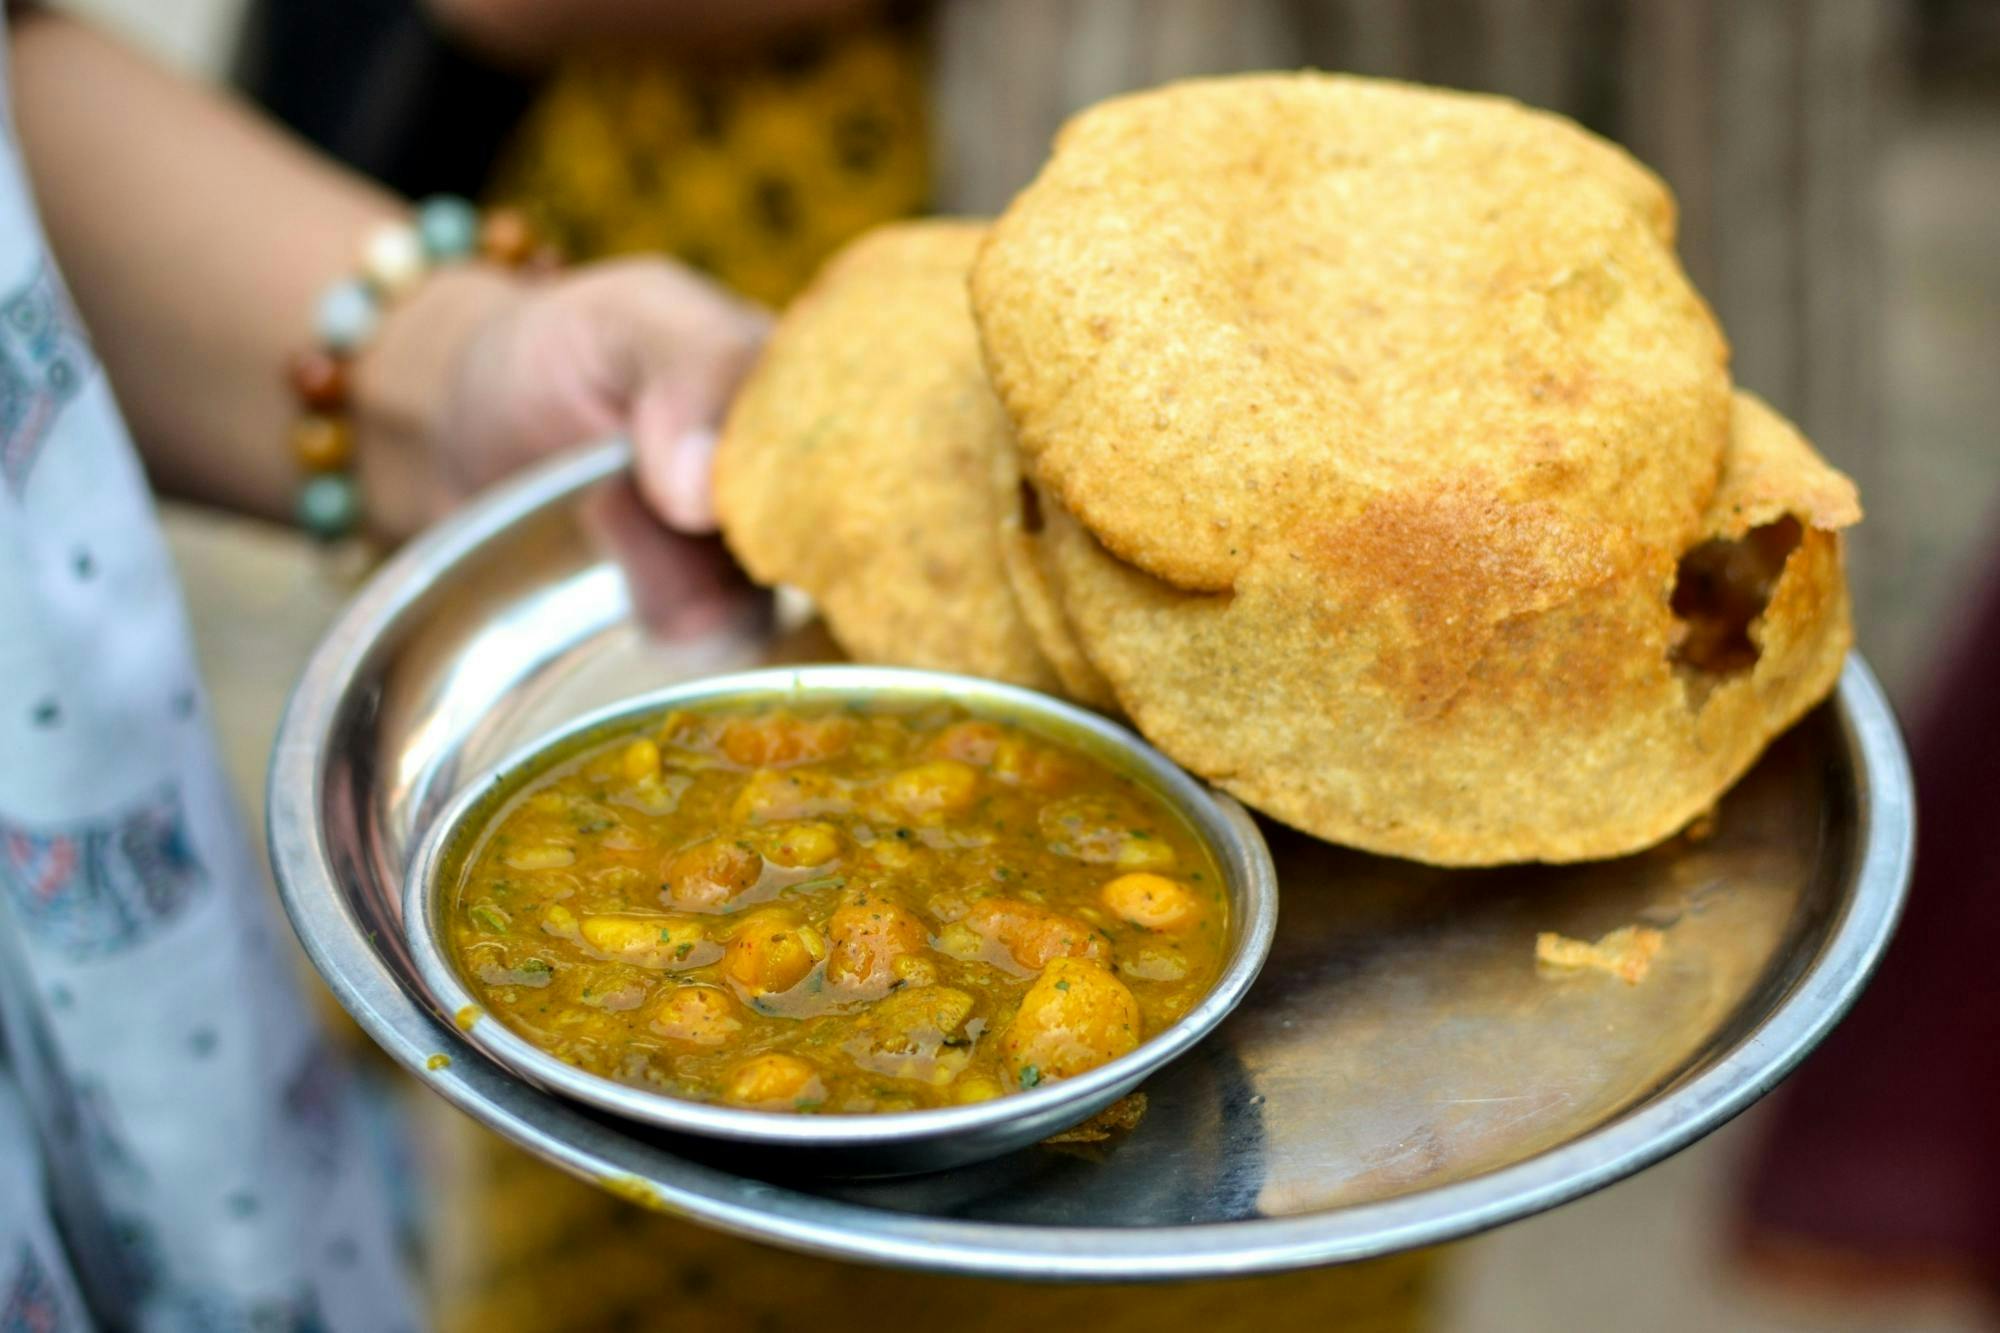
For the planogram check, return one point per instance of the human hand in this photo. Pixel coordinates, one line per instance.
(681, 588)
(481, 373)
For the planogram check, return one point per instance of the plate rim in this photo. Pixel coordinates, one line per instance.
(587, 1147)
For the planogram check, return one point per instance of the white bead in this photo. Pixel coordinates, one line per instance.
(346, 317)
(392, 258)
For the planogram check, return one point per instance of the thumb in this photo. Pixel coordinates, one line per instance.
(679, 347)
(675, 414)
(673, 427)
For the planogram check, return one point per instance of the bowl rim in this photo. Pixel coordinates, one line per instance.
(1231, 835)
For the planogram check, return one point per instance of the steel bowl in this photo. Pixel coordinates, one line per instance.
(898, 1143)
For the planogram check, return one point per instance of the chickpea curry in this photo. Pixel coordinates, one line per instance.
(836, 909)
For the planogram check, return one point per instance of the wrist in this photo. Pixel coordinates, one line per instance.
(401, 392)
(377, 386)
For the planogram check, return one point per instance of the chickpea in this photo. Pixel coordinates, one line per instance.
(774, 1081)
(892, 854)
(977, 1088)
(910, 1030)
(781, 739)
(671, 726)
(939, 1010)
(1033, 935)
(973, 743)
(547, 856)
(804, 844)
(938, 786)
(771, 795)
(1144, 852)
(641, 760)
(617, 996)
(669, 943)
(696, 1015)
(1100, 830)
(962, 942)
(1155, 965)
(656, 793)
(768, 953)
(1150, 900)
(870, 933)
(623, 839)
(620, 880)
(1032, 766)
(915, 970)
(706, 876)
(1075, 1017)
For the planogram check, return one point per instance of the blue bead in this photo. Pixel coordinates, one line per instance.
(347, 315)
(330, 506)
(449, 227)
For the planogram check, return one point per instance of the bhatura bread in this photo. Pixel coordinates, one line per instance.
(856, 461)
(1467, 677)
(1020, 520)
(1231, 313)
(1365, 444)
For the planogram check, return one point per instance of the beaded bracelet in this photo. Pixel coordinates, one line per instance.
(395, 259)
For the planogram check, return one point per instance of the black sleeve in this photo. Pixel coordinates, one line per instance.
(377, 85)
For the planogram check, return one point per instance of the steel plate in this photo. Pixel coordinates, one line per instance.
(1401, 1074)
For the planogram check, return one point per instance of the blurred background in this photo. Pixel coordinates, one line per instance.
(1838, 168)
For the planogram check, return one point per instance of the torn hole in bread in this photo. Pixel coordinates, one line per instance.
(1720, 590)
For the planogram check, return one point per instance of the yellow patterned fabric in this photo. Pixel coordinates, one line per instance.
(751, 168)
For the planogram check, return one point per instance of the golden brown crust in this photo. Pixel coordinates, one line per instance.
(1771, 471)
(1230, 310)
(1563, 730)
(855, 463)
(1019, 512)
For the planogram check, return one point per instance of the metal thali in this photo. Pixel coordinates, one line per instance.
(1401, 1074)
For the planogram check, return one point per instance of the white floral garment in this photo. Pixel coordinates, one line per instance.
(167, 1106)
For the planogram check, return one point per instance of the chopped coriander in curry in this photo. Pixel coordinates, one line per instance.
(836, 910)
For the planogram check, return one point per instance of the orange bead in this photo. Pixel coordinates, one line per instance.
(505, 237)
(320, 380)
(323, 444)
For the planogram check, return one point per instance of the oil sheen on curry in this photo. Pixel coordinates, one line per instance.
(837, 910)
